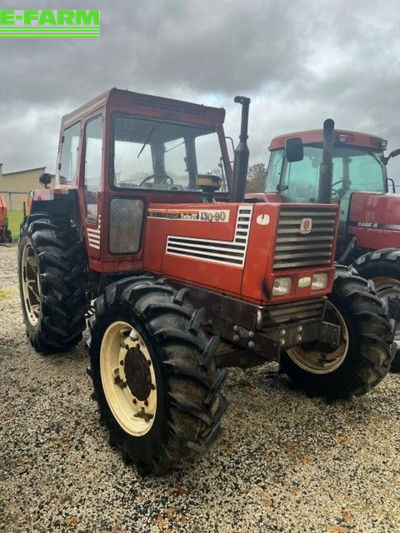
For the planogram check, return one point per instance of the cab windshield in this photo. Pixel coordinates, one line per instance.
(354, 169)
(162, 155)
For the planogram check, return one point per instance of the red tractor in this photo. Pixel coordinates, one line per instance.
(5, 233)
(148, 220)
(369, 228)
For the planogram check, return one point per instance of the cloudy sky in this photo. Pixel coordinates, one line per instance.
(300, 61)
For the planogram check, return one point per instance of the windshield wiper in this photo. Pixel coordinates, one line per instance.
(176, 146)
(155, 126)
(375, 157)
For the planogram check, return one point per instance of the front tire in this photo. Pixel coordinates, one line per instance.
(383, 267)
(154, 375)
(52, 274)
(365, 352)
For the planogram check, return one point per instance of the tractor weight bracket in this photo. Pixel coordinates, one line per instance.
(329, 334)
(292, 334)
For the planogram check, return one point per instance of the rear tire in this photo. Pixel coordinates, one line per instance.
(383, 267)
(52, 274)
(147, 346)
(366, 344)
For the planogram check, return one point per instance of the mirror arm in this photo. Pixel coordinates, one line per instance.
(232, 143)
(393, 184)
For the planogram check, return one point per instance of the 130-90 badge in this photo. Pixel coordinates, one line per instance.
(203, 215)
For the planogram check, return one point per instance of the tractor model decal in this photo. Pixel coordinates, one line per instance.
(375, 225)
(202, 215)
(94, 235)
(233, 253)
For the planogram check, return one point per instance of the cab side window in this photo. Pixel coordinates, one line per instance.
(93, 165)
(69, 153)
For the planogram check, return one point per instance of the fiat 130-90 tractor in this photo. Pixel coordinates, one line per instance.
(148, 232)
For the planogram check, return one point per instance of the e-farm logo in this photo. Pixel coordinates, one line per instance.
(49, 23)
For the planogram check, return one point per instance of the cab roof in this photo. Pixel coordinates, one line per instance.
(154, 106)
(353, 138)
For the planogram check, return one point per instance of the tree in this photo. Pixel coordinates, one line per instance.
(256, 178)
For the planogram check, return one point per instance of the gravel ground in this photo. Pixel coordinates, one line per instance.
(285, 462)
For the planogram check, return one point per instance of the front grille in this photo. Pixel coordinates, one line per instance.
(283, 313)
(293, 249)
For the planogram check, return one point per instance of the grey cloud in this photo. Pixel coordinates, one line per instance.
(208, 46)
(299, 61)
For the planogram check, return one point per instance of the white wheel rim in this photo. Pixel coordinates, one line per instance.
(31, 286)
(128, 378)
(317, 362)
(389, 287)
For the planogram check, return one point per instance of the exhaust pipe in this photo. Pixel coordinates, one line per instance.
(241, 160)
(325, 171)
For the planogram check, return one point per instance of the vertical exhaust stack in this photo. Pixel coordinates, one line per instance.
(325, 173)
(241, 160)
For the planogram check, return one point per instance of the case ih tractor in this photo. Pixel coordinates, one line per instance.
(148, 220)
(369, 228)
(5, 233)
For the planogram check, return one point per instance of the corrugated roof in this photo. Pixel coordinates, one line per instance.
(22, 171)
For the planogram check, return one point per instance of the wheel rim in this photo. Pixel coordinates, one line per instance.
(390, 288)
(128, 378)
(31, 286)
(323, 361)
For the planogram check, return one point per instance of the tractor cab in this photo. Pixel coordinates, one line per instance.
(355, 167)
(122, 151)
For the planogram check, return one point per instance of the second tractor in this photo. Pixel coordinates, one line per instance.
(5, 233)
(369, 214)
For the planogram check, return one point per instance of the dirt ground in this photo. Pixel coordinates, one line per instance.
(285, 462)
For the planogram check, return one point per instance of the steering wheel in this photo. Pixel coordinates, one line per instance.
(337, 192)
(167, 178)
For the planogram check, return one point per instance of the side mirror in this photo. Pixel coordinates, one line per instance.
(294, 150)
(45, 179)
(394, 153)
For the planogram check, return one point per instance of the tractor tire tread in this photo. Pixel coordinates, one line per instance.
(378, 263)
(370, 352)
(193, 401)
(63, 276)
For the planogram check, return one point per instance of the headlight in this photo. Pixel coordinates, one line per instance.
(343, 138)
(281, 286)
(319, 281)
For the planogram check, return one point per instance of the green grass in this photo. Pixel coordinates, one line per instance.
(14, 221)
(8, 293)
(4, 294)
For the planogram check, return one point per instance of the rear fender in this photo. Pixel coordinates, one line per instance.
(60, 203)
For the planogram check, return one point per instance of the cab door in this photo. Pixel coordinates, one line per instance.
(93, 149)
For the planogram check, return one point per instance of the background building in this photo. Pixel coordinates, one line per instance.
(16, 185)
